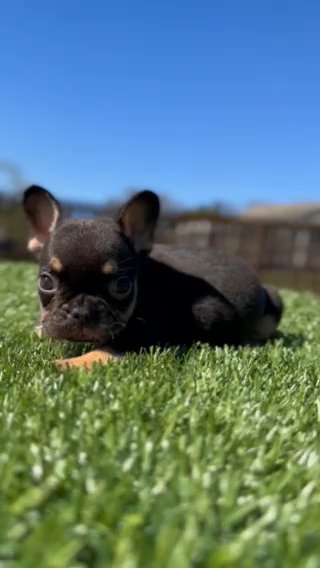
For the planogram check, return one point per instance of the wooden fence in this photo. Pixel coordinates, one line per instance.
(286, 254)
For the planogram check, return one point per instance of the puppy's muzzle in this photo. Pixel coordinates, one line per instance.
(86, 310)
(84, 318)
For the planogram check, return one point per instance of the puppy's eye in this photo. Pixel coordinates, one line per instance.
(46, 283)
(120, 287)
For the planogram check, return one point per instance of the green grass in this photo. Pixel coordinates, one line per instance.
(209, 460)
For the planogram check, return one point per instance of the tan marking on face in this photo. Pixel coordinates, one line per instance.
(56, 264)
(109, 267)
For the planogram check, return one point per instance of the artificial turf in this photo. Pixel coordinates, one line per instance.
(211, 458)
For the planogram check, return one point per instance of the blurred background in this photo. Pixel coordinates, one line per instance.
(214, 105)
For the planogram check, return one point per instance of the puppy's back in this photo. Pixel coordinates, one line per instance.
(229, 276)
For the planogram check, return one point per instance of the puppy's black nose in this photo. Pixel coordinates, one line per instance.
(80, 313)
(85, 311)
(80, 309)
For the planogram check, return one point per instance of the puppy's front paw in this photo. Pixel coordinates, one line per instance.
(38, 330)
(86, 361)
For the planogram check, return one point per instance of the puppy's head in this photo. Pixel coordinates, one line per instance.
(88, 268)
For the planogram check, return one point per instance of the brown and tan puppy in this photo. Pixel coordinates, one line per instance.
(103, 281)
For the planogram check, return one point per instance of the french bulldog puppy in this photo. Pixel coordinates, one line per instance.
(103, 281)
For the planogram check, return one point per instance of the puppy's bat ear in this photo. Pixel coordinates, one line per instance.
(43, 212)
(138, 219)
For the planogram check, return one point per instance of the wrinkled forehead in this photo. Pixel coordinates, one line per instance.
(87, 244)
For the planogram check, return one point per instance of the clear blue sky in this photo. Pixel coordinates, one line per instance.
(202, 101)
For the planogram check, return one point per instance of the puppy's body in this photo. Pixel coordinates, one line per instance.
(101, 281)
(189, 294)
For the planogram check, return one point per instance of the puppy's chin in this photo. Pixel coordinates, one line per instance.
(78, 334)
